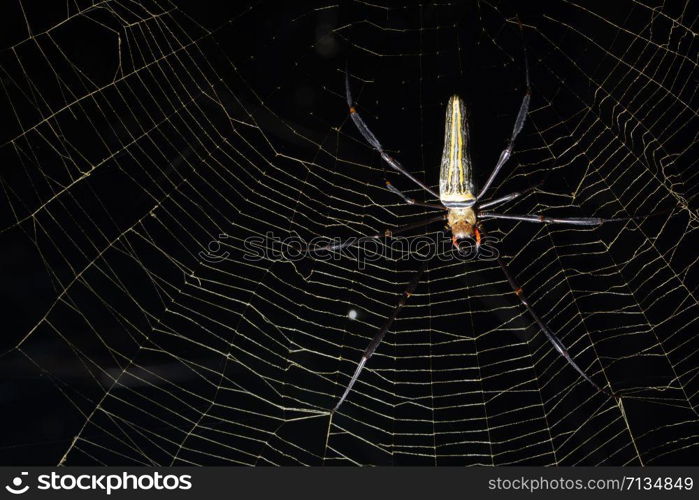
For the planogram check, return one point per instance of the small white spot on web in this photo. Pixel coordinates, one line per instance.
(352, 314)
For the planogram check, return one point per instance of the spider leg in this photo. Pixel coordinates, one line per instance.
(519, 123)
(371, 139)
(387, 233)
(550, 336)
(576, 221)
(369, 351)
(411, 201)
(508, 197)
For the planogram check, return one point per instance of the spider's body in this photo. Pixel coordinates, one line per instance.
(455, 174)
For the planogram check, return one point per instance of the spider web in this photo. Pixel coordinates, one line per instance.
(141, 138)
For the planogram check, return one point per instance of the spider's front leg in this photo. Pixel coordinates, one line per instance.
(378, 337)
(550, 336)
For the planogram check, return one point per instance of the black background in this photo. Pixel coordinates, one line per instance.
(301, 168)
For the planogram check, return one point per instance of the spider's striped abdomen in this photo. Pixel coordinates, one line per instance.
(455, 181)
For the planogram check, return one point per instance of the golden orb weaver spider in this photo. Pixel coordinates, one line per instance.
(464, 212)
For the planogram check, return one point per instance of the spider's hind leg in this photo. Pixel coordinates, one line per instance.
(519, 124)
(374, 142)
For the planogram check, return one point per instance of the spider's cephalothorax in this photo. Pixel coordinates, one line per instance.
(462, 222)
(455, 180)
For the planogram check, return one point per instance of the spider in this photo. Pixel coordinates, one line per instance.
(465, 209)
